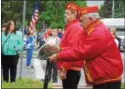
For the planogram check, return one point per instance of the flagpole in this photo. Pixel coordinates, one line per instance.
(24, 13)
(32, 26)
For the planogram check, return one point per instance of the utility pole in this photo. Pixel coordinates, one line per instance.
(113, 11)
(24, 13)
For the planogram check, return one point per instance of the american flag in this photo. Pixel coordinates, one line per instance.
(34, 18)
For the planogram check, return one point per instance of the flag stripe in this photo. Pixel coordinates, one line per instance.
(34, 18)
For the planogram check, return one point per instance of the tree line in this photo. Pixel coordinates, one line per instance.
(51, 12)
(113, 9)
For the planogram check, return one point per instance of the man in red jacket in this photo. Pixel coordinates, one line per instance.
(103, 64)
(70, 71)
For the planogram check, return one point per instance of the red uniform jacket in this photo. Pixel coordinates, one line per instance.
(103, 61)
(71, 39)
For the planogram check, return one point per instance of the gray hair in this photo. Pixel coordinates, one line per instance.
(94, 16)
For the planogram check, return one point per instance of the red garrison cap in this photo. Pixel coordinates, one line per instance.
(72, 6)
(86, 10)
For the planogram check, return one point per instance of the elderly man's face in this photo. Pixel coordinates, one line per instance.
(85, 21)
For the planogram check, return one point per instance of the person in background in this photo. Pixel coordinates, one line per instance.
(29, 48)
(47, 33)
(25, 38)
(102, 60)
(60, 34)
(25, 30)
(53, 40)
(40, 38)
(116, 38)
(12, 45)
(2, 32)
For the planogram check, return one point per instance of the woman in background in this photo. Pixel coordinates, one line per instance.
(12, 45)
(116, 38)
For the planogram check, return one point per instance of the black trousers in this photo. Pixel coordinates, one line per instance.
(72, 80)
(53, 71)
(9, 62)
(112, 85)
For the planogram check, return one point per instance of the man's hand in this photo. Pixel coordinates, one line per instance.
(62, 74)
(53, 58)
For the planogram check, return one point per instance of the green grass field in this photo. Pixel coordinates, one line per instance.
(29, 83)
(123, 86)
(25, 83)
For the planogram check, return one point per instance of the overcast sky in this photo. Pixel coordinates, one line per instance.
(92, 3)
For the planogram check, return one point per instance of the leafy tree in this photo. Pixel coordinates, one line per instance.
(51, 13)
(107, 9)
(11, 10)
(119, 8)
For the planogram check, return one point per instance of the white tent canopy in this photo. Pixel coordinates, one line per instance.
(114, 22)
